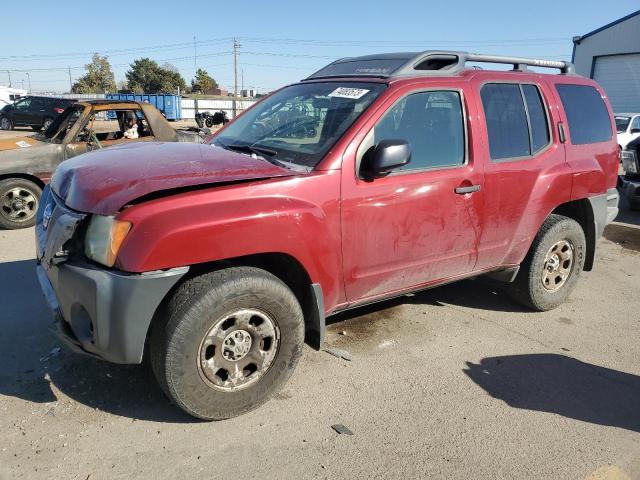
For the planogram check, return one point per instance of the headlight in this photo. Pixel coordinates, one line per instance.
(104, 238)
(629, 161)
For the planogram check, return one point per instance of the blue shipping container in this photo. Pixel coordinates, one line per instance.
(170, 105)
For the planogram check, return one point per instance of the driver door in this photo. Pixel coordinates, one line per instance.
(21, 112)
(420, 224)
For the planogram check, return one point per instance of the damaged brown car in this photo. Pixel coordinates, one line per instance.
(26, 163)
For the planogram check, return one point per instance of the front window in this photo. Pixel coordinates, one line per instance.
(299, 124)
(23, 104)
(622, 123)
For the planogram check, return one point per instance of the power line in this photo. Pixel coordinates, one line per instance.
(289, 41)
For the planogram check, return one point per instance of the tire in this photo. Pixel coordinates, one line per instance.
(6, 123)
(209, 122)
(184, 359)
(558, 238)
(19, 200)
(46, 122)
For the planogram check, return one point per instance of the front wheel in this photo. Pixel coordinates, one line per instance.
(227, 342)
(552, 267)
(19, 200)
(6, 123)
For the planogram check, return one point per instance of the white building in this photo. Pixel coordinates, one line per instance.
(611, 56)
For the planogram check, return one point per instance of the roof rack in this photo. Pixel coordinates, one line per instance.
(428, 63)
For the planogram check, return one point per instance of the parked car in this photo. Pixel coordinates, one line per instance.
(374, 177)
(26, 162)
(627, 127)
(35, 112)
(629, 182)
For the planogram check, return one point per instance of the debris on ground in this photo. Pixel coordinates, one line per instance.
(337, 352)
(55, 351)
(341, 429)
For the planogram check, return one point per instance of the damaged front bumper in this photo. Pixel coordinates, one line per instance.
(102, 312)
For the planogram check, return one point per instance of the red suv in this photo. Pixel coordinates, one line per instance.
(374, 177)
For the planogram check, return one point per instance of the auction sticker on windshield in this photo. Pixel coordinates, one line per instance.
(344, 92)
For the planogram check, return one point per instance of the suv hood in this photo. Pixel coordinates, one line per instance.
(104, 181)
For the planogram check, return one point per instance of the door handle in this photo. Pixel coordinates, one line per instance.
(468, 189)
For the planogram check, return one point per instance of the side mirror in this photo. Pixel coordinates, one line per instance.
(635, 130)
(386, 156)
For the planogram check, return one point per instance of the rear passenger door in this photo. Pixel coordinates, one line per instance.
(525, 170)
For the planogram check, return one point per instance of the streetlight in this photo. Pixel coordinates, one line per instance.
(29, 79)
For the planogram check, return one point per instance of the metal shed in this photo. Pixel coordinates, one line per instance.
(611, 56)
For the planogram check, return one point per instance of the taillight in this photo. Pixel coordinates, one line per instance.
(58, 110)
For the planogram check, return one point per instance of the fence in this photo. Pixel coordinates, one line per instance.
(189, 105)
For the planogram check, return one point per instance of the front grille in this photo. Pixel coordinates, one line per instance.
(57, 229)
(630, 161)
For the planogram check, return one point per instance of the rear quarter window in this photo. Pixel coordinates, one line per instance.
(587, 114)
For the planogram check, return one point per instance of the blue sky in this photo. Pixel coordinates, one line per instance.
(282, 41)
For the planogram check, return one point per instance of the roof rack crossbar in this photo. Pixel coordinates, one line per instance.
(517, 62)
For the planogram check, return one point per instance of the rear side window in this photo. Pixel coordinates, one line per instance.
(506, 120)
(537, 118)
(586, 113)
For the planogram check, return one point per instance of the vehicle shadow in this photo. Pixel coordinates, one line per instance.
(35, 369)
(563, 385)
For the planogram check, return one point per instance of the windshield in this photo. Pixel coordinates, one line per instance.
(622, 123)
(299, 124)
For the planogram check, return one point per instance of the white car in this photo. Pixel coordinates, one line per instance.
(628, 127)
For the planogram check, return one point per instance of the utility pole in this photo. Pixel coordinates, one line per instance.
(195, 56)
(9, 73)
(29, 79)
(236, 46)
(70, 81)
(241, 81)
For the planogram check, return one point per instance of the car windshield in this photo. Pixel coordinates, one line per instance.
(299, 124)
(622, 123)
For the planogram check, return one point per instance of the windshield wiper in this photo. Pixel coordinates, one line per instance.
(250, 149)
(258, 151)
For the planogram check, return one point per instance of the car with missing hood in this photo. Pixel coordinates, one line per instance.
(26, 162)
(373, 178)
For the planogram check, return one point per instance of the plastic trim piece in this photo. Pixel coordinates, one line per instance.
(315, 321)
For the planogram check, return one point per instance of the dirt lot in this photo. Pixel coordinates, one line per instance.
(456, 382)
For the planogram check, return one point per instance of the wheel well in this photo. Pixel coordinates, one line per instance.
(582, 212)
(283, 266)
(25, 176)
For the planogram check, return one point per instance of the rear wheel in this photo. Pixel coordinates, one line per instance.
(6, 123)
(552, 267)
(19, 199)
(45, 124)
(228, 341)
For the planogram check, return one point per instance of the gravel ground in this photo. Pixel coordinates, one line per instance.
(455, 382)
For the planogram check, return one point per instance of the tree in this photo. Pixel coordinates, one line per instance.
(145, 75)
(98, 79)
(203, 82)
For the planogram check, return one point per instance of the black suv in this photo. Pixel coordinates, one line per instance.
(34, 112)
